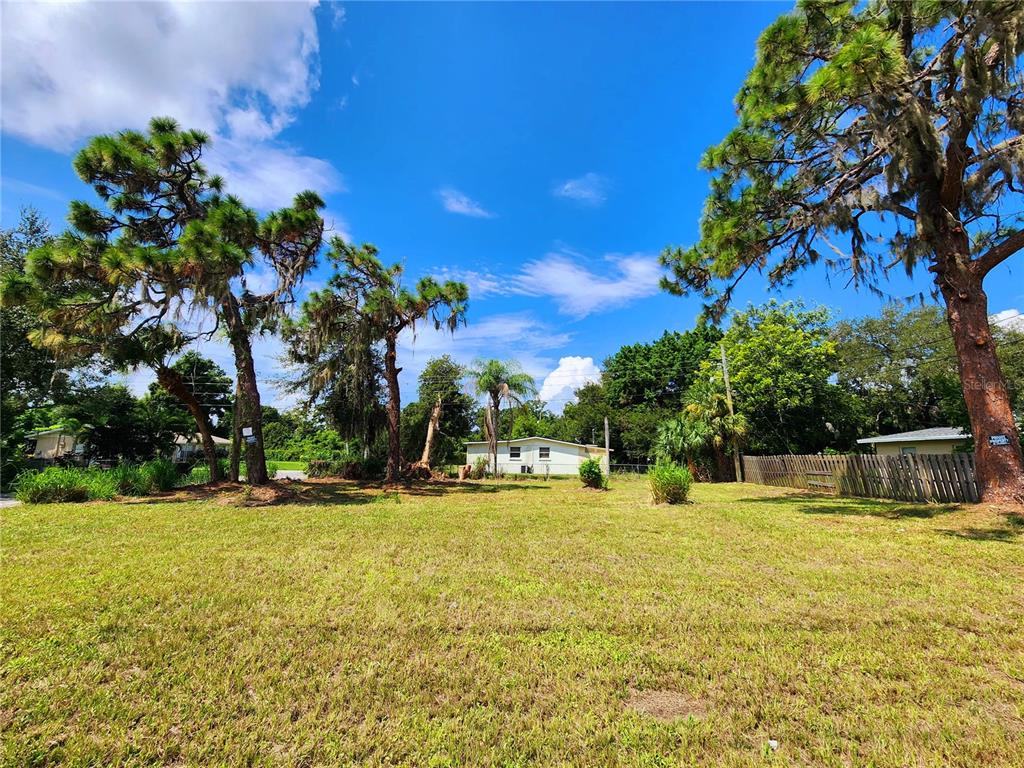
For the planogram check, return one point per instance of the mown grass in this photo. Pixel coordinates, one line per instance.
(472, 626)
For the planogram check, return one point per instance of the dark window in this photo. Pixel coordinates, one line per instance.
(545, 452)
(513, 452)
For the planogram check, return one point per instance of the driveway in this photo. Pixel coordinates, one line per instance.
(8, 501)
(290, 474)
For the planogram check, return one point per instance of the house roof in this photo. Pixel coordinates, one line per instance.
(197, 440)
(919, 436)
(48, 431)
(519, 440)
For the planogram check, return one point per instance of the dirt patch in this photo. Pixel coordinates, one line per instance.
(261, 495)
(666, 705)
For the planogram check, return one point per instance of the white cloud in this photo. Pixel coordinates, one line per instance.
(518, 336)
(566, 277)
(571, 374)
(267, 176)
(589, 189)
(336, 224)
(457, 202)
(480, 283)
(239, 71)
(578, 291)
(1012, 319)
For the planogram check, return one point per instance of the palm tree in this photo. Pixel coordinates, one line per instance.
(501, 381)
(708, 410)
(681, 438)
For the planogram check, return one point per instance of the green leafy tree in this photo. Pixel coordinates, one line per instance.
(875, 136)
(340, 370)
(781, 362)
(501, 381)
(29, 375)
(533, 418)
(583, 418)
(366, 302)
(902, 367)
(657, 375)
(115, 426)
(438, 423)
(206, 382)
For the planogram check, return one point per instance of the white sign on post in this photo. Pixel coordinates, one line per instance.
(246, 431)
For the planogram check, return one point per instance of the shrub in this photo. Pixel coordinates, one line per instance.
(591, 474)
(129, 480)
(272, 469)
(101, 485)
(52, 484)
(480, 468)
(670, 483)
(160, 474)
(198, 475)
(64, 484)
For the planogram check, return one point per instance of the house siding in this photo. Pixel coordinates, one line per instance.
(53, 445)
(562, 460)
(925, 446)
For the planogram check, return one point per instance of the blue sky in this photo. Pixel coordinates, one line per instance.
(543, 153)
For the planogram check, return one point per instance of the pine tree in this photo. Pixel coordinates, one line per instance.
(366, 300)
(875, 136)
(167, 241)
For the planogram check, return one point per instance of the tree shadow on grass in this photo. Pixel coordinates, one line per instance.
(1007, 533)
(818, 504)
(325, 491)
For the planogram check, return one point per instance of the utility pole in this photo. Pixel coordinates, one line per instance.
(728, 401)
(607, 447)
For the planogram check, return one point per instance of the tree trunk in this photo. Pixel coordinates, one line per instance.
(432, 426)
(692, 466)
(495, 414)
(174, 384)
(723, 465)
(249, 410)
(1000, 468)
(236, 438)
(391, 371)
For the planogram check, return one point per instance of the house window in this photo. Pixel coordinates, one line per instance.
(544, 452)
(909, 451)
(514, 452)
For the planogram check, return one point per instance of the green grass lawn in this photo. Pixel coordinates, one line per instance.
(300, 465)
(528, 625)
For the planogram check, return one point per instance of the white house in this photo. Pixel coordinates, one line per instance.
(933, 440)
(53, 443)
(189, 447)
(537, 455)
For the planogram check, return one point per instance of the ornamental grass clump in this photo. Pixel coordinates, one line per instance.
(670, 483)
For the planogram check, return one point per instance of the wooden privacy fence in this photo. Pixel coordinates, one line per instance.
(926, 477)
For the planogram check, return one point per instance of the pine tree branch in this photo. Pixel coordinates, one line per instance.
(997, 254)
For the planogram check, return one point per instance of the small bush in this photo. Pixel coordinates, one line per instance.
(670, 483)
(591, 474)
(161, 474)
(272, 469)
(480, 468)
